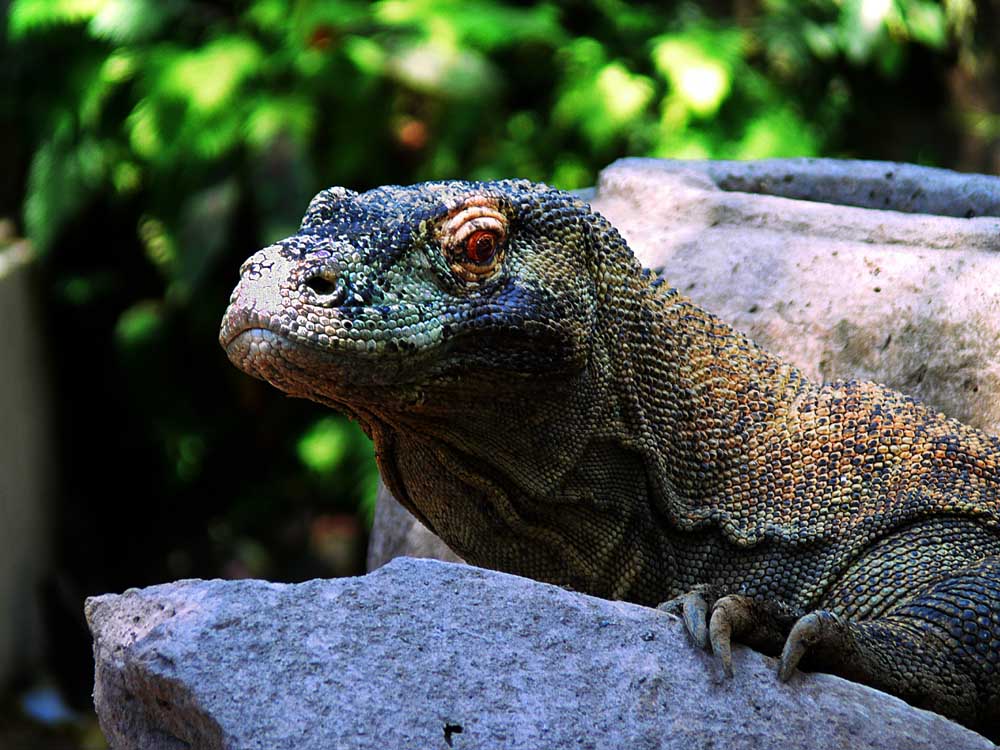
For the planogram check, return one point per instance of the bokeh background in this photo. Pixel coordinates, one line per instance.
(149, 146)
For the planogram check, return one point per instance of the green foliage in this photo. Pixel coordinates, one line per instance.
(160, 142)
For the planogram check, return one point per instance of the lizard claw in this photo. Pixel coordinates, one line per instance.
(720, 633)
(731, 616)
(693, 608)
(806, 633)
(695, 612)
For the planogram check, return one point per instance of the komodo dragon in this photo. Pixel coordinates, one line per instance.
(551, 409)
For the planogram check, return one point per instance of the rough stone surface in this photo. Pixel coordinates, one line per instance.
(829, 263)
(908, 300)
(396, 533)
(848, 182)
(424, 654)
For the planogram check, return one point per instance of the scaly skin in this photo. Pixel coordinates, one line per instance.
(551, 409)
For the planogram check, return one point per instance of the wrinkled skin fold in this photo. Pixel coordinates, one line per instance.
(551, 409)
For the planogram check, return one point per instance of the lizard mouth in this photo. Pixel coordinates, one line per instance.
(239, 337)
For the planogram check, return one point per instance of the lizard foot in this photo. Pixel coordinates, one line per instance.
(714, 621)
(939, 649)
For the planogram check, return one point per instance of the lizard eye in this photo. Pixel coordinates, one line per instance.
(481, 246)
(473, 241)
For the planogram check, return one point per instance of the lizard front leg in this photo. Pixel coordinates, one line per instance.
(938, 650)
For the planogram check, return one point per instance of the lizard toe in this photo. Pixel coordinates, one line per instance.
(731, 616)
(694, 609)
(810, 630)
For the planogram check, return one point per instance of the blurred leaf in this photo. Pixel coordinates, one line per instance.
(433, 67)
(78, 291)
(208, 78)
(139, 325)
(861, 24)
(27, 16)
(195, 103)
(571, 174)
(318, 23)
(268, 15)
(130, 21)
(926, 23)
(822, 40)
(160, 246)
(698, 67)
(483, 24)
(777, 132)
(599, 98)
(188, 450)
(65, 172)
(628, 17)
(366, 54)
(325, 445)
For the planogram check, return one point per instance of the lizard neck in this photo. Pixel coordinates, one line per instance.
(696, 396)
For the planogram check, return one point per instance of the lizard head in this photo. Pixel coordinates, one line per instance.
(384, 296)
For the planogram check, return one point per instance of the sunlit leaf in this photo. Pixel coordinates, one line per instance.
(443, 70)
(139, 324)
(777, 132)
(861, 24)
(324, 445)
(144, 132)
(926, 23)
(209, 77)
(366, 54)
(160, 246)
(27, 16)
(130, 21)
(273, 116)
(699, 67)
(482, 24)
(195, 102)
(821, 39)
(601, 99)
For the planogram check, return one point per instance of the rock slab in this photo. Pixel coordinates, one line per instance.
(424, 654)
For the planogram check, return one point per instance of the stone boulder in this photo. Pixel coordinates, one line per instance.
(425, 654)
(848, 269)
(910, 300)
(396, 533)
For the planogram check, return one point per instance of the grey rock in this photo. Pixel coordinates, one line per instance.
(815, 259)
(424, 654)
(849, 182)
(396, 533)
(908, 300)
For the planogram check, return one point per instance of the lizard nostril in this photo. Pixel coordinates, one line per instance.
(321, 285)
(327, 290)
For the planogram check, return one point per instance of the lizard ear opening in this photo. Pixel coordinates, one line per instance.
(472, 240)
